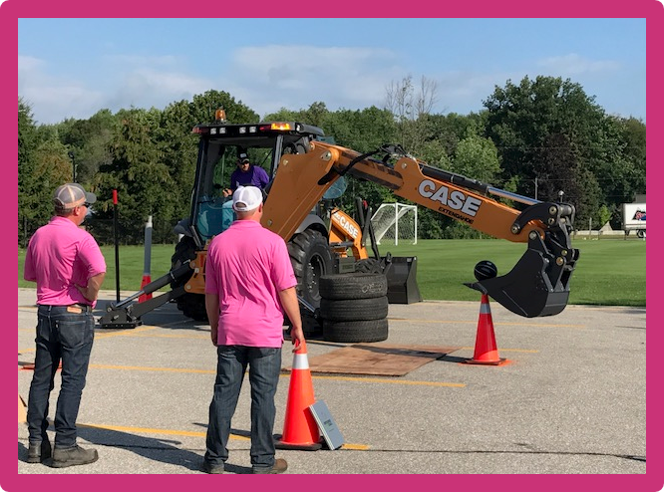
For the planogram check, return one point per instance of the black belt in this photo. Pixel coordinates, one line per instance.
(86, 308)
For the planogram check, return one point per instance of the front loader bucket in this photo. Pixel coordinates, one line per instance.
(402, 281)
(538, 285)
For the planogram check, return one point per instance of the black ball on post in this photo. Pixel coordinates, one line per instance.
(485, 270)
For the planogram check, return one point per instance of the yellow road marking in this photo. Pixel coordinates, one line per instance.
(459, 322)
(392, 381)
(171, 432)
(153, 369)
(336, 378)
(523, 351)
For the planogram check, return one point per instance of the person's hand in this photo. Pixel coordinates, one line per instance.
(227, 192)
(213, 334)
(297, 338)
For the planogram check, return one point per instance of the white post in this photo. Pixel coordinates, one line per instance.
(147, 260)
(148, 247)
(396, 224)
(415, 242)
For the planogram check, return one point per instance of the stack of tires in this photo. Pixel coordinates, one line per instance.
(353, 307)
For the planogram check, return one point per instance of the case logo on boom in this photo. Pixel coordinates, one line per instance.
(347, 226)
(456, 200)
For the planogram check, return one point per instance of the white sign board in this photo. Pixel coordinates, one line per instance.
(634, 215)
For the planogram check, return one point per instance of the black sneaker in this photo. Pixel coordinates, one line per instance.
(38, 453)
(212, 468)
(73, 456)
(280, 466)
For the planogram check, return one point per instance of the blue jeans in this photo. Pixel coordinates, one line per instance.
(65, 336)
(264, 368)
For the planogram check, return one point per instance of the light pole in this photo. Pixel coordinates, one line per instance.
(73, 166)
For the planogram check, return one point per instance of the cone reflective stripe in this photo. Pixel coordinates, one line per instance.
(486, 351)
(300, 428)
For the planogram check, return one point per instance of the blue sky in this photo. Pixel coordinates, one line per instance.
(75, 67)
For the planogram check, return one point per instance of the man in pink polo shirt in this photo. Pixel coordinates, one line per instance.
(68, 266)
(249, 285)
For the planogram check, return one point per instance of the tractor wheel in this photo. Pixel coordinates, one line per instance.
(354, 309)
(370, 265)
(353, 286)
(191, 305)
(311, 259)
(355, 331)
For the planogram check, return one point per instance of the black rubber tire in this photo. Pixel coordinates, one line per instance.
(353, 286)
(354, 309)
(312, 325)
(355, 331)
(191, 305)
(370, 265)
(311, 258)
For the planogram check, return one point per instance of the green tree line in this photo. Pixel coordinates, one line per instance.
(536, 138)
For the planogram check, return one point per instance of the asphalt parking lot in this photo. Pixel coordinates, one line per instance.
(572, 400)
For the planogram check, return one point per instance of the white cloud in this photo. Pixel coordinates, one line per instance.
(574, 64)
(148, 87)
(117, 82)
(266, 78)
(53, 98)
(269, 77)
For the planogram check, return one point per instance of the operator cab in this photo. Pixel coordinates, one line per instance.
(221, 145)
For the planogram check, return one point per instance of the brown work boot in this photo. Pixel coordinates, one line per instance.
(73, 456)
(40, 452)
(280, 466)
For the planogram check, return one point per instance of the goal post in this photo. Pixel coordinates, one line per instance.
(395, 222)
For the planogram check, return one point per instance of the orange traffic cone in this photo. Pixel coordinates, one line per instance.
(22, 416)
(146, 280)
(300, 429)
(486, 351)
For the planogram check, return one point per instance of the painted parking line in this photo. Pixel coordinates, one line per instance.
(523, 351)
(474, 322)
(173, 432)
(337, 378)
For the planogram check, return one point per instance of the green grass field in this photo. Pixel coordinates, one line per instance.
(608, 272)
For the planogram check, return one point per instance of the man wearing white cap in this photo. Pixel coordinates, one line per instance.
(66, 263)
(249, 285)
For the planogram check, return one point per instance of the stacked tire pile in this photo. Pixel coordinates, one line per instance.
(353, 307)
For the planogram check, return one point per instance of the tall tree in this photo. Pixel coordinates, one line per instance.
(411, 107)
(549, 125)
(27, 178)
(138, 173)
(89, 143)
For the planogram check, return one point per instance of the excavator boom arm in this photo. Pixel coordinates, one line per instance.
(537, 286)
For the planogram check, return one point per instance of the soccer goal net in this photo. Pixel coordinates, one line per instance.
(394, 222)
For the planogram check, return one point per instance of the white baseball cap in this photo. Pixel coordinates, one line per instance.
(246, 198)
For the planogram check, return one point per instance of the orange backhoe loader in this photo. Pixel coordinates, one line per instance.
(307, 171)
